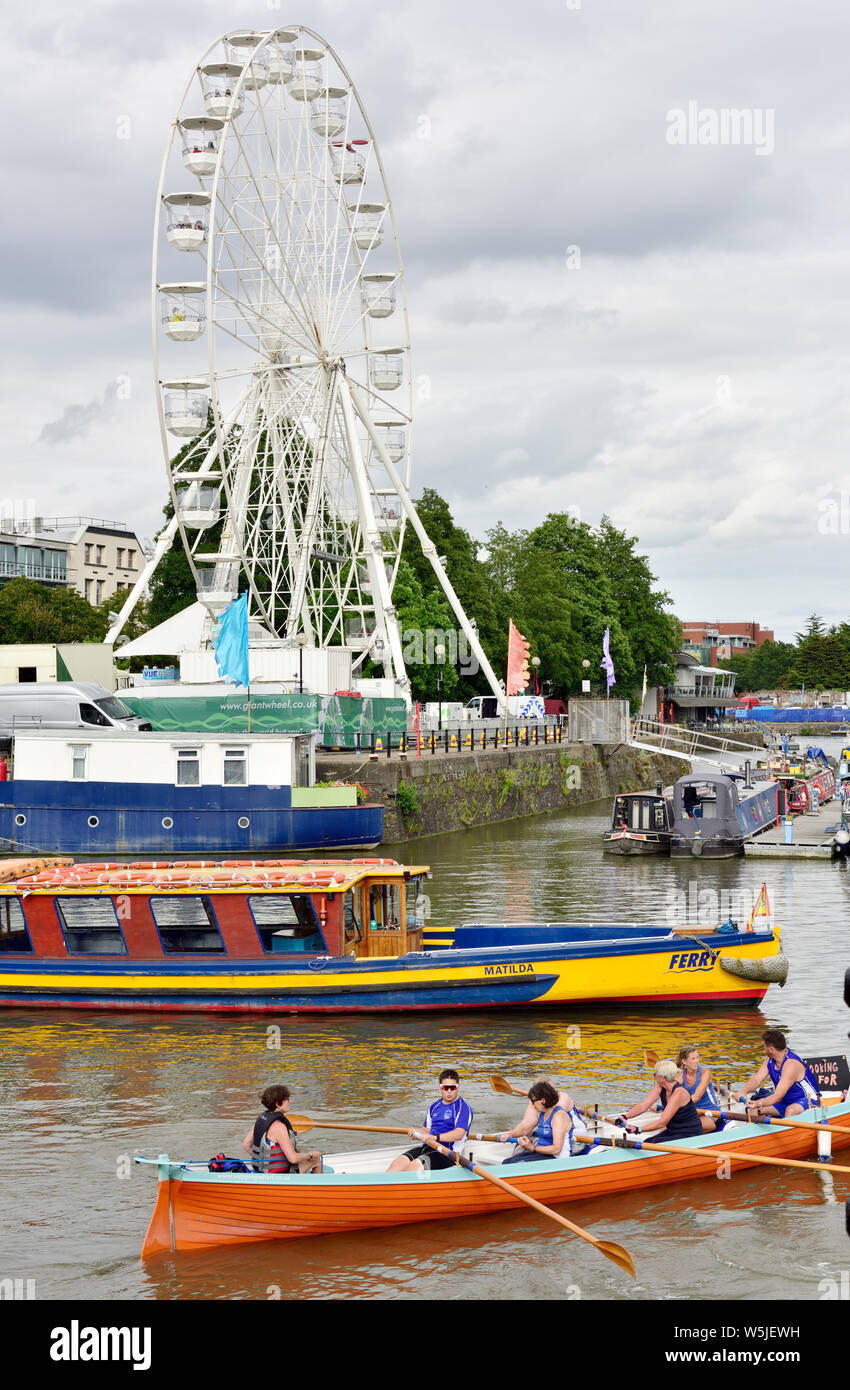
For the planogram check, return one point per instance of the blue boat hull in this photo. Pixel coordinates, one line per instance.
(116, 818)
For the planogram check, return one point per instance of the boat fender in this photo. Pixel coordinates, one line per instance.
(696, 848)
(772, 970)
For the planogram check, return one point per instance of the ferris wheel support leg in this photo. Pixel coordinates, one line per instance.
(385, 615)
(163, 544)
(429, 550)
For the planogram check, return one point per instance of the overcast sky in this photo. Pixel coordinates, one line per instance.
(607, 320)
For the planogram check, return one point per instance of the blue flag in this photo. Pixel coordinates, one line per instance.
(606, 663)
(231, 642)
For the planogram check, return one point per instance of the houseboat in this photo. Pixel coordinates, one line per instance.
(113, 792)
(322, 936)
(806, 789)
(641, 823)
(713, 814)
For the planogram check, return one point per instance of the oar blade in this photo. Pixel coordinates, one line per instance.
(500, 1084)
(300, 1123)
(616, 1253)
(649, 1058)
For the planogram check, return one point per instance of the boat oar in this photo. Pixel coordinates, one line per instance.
(504, 1087)
(614, 1252)
(629, 1141)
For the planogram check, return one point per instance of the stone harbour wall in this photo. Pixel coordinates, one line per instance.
(433, 794)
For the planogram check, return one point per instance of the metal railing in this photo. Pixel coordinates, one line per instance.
(687, 743)
(460, 738)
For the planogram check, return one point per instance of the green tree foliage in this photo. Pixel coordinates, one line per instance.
(423, 617)
(31, 612)
(769, 667)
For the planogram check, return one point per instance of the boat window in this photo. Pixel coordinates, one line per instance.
(91, 926)
(13, 929)
(418, 906)
(286, 922)
(79, 753)
(384, 906)
(658, 816)
(621, 811)
(90, 715)
(186, 924)
(351, 919)
(235, 767)
(188, 767)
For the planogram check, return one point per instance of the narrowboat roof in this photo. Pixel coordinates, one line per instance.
(221, 876)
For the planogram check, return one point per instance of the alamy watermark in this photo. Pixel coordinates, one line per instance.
(834, 519)
(697, 905)
(722, 125)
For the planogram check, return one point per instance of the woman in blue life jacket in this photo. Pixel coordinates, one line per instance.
(678, 1118)
(272, 1143)
(576, 1126)
(697, 1081)
(545, 1129)
(795, 1086)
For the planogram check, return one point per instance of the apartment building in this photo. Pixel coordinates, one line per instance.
(93, 556)
(713, 642)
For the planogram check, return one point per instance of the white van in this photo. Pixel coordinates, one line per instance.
(63, 705)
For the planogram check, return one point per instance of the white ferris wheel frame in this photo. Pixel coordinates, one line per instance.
(349, 419)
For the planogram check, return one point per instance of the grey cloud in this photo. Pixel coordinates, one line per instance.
(76, 420)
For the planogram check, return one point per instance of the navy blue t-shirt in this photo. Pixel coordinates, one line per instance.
(443, 1117)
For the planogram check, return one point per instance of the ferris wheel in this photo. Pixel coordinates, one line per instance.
(282, 351)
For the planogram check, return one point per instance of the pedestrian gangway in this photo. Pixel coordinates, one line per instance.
(694, 745)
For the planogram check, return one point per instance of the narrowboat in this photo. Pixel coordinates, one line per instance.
(713, 814)
(641, 823)
(196, 1209)
(334, 936)
(806, 789)
(115, 792)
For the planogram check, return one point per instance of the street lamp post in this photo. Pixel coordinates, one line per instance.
(585, 685)
(535, 661)
(439, 652)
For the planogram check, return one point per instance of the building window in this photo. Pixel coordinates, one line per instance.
(188, 767)
(88, 591)
(235, 767)
(99, 599)
(79, 752)
(131, 559)
(120, 557)
(88, 555)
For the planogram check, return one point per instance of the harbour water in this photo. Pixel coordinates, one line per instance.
(81, 1093)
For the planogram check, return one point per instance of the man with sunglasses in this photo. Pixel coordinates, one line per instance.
(448, 1121)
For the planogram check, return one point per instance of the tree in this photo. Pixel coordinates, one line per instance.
(424, 619)
(31, 612)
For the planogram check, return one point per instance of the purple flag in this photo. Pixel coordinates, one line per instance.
(606, 663)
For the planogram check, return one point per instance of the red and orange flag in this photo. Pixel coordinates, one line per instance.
(518, 672)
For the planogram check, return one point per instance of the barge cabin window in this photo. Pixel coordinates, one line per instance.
(188, 767)
(186, 924)
(286, 922)
(91, 926)
(235, 767)
(13, 929)
(79, 754)
(700, 802)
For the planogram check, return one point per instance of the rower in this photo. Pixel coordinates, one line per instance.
(551, 1137)
(678, 1118)
(448, 1121)
(795, 1086)
(697, 1081)
(577, 1127)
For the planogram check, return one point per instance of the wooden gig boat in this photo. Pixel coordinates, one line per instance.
(323, 936)
(196, 1209)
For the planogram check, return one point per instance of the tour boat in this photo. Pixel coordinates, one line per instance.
(196, 1209)
(641, 823)
(321, 936)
